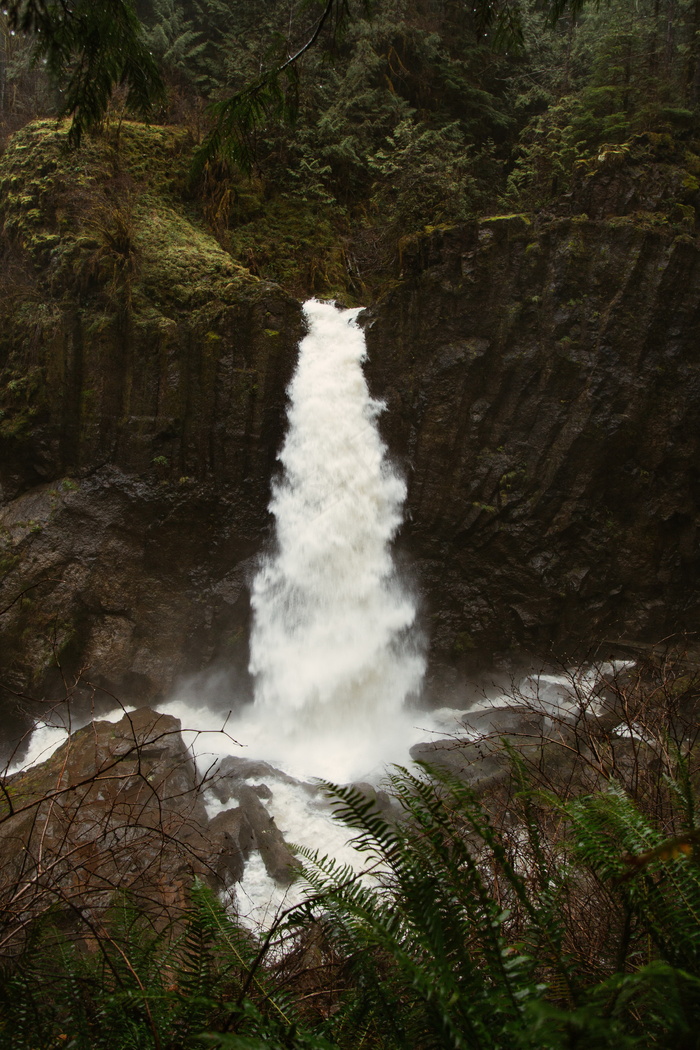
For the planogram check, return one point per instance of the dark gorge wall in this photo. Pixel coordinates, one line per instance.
(142, 395)
(543, 397)
(543, 391)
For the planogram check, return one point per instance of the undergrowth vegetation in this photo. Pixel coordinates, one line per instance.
(420, 115)
(557, 910)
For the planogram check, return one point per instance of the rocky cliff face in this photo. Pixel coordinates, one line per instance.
(142, 397)
(543, 391)
(543, 398)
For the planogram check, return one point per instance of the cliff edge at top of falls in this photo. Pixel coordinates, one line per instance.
(543, 400)
(128, 336)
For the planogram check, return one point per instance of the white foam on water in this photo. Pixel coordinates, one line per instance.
(310, 823)
(334, 651)
(564, 694)
(259, 899)
(206, 732)
(303, 819)
(44, 740)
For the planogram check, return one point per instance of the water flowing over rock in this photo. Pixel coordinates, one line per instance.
(121, 807)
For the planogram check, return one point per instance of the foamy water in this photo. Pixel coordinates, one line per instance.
(303, 817)
(44, 740)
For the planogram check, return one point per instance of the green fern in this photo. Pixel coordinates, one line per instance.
(453, 936)
(454, 978)
(665, 896)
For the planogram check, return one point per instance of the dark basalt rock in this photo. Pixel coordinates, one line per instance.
(233, 770)
(480, 765)
(543, 394)
(280, 862)
(237, 838)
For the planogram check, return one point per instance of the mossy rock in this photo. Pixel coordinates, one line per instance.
(110, 218)
(97, 243)
(298, 244)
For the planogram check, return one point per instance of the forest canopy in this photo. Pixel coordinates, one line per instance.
(328, 131)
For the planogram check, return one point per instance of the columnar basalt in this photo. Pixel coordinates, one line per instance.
(543, 389)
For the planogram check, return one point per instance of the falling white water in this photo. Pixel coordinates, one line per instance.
(332, 650)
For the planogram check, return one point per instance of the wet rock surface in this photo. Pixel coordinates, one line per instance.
(237, 838)
(232, 771)
(120, 808)
(278, 859)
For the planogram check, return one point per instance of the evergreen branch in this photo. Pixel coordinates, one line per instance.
(91, 47)
(272, 95)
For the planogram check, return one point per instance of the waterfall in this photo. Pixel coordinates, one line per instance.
(333, 647)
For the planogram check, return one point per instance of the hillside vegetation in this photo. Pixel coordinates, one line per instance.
(419, 114)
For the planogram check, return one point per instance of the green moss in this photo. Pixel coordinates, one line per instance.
(576, 245)
(104, 238)
(514, 219)
(683, 214)
(690, 183)
(180, 263)
(296, 243)
(8, 559)
(691, 161)
(464, 642)
(111, 217)
(22, 396)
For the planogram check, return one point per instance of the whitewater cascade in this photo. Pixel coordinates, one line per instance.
(333, 646)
